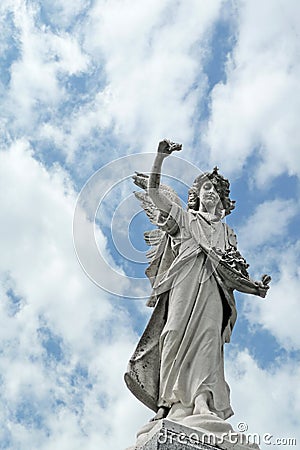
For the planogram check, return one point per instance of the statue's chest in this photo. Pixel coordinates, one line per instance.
(212, 234)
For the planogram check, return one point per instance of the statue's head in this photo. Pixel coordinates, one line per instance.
(221, 186)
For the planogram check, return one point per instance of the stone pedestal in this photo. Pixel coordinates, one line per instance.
(169, 435)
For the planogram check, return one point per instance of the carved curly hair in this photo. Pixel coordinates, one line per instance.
(221, 186)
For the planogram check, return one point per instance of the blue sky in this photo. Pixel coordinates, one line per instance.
(83, 84)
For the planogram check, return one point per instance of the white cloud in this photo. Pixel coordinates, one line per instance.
(151, 65)
(151, 69)
(267, 400)
(268, 223)
(64, 14)
(149, 58)
(35, 87)
(255, 111)
(48, 305)
(279, 313)
(269, 248)
(76, 130)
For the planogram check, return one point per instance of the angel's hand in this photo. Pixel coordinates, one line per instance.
(167, 147)
(261, 289)
(263, 285)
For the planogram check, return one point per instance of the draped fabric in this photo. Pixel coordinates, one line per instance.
(193, 318)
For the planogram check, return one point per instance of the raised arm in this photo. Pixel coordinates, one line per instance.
(165, 148)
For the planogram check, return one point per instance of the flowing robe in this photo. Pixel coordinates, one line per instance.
(180, 354)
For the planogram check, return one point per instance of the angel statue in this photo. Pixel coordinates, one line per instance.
(177, 369)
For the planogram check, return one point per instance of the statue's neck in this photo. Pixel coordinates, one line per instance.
(211, 217)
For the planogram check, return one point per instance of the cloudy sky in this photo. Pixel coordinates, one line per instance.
(88, 88)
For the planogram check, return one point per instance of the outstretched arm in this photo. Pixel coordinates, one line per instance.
(165, 148)
(260, 288)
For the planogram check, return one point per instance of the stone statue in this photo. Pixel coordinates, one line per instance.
(177, 369)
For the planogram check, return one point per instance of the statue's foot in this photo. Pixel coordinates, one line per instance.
(161, 413)
(201, 405)
(204, 411)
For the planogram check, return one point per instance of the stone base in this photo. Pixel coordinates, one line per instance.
(169, 435)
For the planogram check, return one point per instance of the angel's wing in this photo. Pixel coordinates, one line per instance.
(148, 206)
(153, 238)
(141, 180)
(156, 239)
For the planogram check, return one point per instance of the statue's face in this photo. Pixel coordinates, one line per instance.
(208, 195)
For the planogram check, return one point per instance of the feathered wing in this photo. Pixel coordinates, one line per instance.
(160, 253)
(153, 239)
(148, 206)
